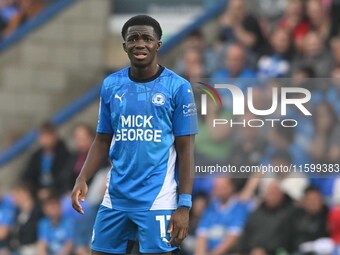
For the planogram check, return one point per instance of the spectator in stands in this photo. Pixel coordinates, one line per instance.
(334, 226)
(325, 147)
(310, 220)
(294, 23)
(28, 9)
(277, 63)
(193, 65)
(333, 93)
(281, 139)
(25, 232)
(46, 167)
(304, 131)
(302, 74)
(83, 136)
(318, 18)
(194, 42)
(302, 78)
(239, 26)
(7, 214)
(292, 183)
(335, 18)
(267, 229)
(214, 145)
(56, 233)
(335, 50)
(210, 57)
(8, 10)
(314, 55)
(222, 222)
(235, 65)
(247, 150)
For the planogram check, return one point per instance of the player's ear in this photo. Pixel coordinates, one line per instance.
(124, 47)
(159, 45)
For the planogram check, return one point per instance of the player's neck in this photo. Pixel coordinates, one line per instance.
(142, 73)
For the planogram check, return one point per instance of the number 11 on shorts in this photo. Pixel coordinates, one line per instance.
(161, 219)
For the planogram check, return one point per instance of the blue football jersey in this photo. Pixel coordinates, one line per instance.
(145, 117)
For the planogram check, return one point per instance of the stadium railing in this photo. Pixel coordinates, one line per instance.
(92, 95)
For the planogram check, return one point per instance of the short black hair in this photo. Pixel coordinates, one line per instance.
(142, 20)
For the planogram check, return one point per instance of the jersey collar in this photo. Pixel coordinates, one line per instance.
(155, 76)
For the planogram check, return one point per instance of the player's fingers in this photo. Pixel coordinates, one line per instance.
(74, 197)
(181, 236)
(75, 202)
(82, 195)
(173, 236)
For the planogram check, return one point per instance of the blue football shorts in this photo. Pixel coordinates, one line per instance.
(114, 230)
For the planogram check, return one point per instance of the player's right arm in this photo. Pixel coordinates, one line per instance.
(99, 150)
(97, 155)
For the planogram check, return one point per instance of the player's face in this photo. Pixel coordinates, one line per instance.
(141, 44)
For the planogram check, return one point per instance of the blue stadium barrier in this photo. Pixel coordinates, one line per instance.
(91, 96)
(48, 13)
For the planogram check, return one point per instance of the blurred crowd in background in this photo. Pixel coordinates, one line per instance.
(282, 213)
(36, 216)
(14, 13)
(277, 213)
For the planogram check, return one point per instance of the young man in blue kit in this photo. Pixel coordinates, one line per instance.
(150, 113)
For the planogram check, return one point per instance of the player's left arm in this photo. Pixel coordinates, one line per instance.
(179, 221)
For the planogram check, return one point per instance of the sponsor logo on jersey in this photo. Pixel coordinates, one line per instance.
(189, 109)
(120, 98)
(137, 128)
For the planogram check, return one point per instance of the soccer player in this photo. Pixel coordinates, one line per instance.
(148, 113)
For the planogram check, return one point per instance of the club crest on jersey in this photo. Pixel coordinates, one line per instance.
(158, 99)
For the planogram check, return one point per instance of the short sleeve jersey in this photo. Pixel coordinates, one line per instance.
(145, 116)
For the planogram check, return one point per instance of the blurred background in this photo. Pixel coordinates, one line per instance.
(53, 57)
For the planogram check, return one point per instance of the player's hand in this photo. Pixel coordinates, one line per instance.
(178, 226)
(79, 192)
